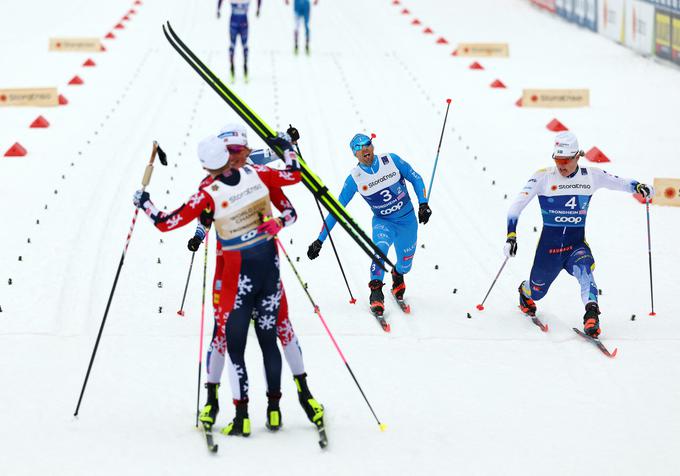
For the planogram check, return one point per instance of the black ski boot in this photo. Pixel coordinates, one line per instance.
(245, 72)
(240, 425)
(232, 71)
(209, 413)
(591, 320)
(274, 421)
(377, 298)
(398, 285)
(312, 408)
(526, 304)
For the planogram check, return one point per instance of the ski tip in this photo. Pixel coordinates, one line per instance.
(613, 354)
(545, 328)
(383, 427)
(387, 328)
(480, 307)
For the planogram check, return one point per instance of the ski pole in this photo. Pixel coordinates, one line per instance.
(145, 181)
(200, 346)
(186, 286)
(481, 306)
(649, 250)
(317, 311)
(352, 300)
(441, 137)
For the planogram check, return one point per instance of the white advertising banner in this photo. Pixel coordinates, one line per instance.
(640, 26)
(611, 19)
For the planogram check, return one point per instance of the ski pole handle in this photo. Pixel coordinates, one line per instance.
(149, 167)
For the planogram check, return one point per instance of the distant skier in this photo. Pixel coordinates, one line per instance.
(238, 194)
(381, 181)
(238, 26)
(301, 10)
(564, 193)
(286, 334)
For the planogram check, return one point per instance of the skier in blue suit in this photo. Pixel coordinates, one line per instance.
(301, 9)
(238, 26)
(381, 181)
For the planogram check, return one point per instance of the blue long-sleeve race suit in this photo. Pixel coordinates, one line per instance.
(383, 186)
(564, 205)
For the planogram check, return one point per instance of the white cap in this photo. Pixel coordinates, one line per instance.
(212, 153)
(233, 134)
(566, 145)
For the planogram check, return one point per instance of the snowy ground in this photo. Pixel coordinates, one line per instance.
(487, 395)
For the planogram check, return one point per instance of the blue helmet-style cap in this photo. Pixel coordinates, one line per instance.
(359, 141)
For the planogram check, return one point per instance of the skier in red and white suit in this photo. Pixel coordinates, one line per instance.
(238, 195)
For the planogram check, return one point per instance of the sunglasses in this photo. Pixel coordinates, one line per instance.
(235, 149)
(357, 147)
(564, 161)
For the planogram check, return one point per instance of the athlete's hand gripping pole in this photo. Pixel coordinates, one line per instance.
(436, 160)
(317, 311)
(315, 248)
(156, 151)
(481, 306)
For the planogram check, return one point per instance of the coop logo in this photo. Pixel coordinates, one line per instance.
(574, 185)
(574, 220)
(382, 179)
(392, 209)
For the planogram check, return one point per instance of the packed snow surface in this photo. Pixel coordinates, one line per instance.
(487, 394)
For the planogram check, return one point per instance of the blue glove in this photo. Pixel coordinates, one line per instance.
(140, 198)
(280, 142)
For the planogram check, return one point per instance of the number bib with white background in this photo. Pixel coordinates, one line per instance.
(384, 191)
(239, 208)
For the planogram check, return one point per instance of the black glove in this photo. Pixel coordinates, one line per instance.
(510, 248)
(424, 213)
(281, 143)
(643, 190)
(314, 249)
(293, 133)
(140, 198)
(194, 243)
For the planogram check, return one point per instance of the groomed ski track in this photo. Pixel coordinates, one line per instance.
(485, 395)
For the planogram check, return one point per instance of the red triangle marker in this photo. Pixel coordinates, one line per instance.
(442, 41)
(454, 52)
(428, 31)
(519, 103)
(110, 36)
(62, 100)
(137, 2)
(597, 156)
(556, 126)
(498, 84)
(132, 11)
(89, 63)
(76, 81)
(395, 2)
(405, 11)
(125, 18)
(416, 22)
(17, 150)
(39, 123)
(119, 26)
(476, 65)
